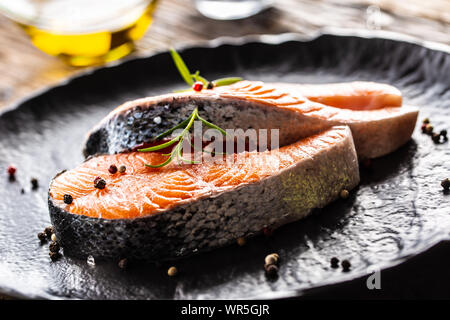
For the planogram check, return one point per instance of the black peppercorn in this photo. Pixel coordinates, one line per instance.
(210, 85)
(54, 255)
(68, 199)
(123, 264)
(426, 121)
(334, 262)
(271, 270)
(346, 265)
(34, 183)
(446, 184)
(435, 137)
(42, 236)
(54, 246)
(443, 133)
(49, 231)
(99, 183)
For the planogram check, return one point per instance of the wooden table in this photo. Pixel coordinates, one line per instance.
(25, 69)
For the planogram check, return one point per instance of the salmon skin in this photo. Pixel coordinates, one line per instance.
(177, 210)
(373, 111)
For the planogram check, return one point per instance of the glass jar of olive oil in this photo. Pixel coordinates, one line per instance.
(82, 32)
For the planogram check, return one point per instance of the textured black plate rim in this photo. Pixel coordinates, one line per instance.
(270, 40)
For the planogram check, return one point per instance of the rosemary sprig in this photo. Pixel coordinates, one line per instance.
(181, 66)
(177, 151)
(190, 78)
(226, 81)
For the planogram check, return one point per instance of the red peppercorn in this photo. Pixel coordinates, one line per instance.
(99, 183)
(12, 170)
(198, 86)
(112, 169)
(424, 128)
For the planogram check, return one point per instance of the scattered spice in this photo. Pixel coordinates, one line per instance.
(68, 199)
(34, 183)
(123, 264)
(272, 258)
(189, 77)
(54, 246)
(42, 236)
(271, 270)
(54, 255)
(241, 241)
(446, 184)
(436, 137)
(99, 183)
(11, 170)
(53, 237)
(49, 231)
(112, 169)
(22, 191)
(197, 86)
(172, 271)
(424, 128)
(122, 168)
(334, 262)
(346, 265)
(429, 129)
(344, 194)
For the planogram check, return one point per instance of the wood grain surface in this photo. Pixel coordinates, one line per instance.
(25, 69)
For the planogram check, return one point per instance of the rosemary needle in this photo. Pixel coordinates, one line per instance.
(177, 151)
(189, 77)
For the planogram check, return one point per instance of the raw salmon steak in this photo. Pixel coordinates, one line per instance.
(164, 213)
(373, 111)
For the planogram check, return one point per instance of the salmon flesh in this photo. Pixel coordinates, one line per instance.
(373, 111)
(177, 210)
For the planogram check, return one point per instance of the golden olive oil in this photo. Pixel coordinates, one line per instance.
(85, 32)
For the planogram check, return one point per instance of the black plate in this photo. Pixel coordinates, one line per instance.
(398, 210)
